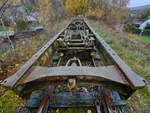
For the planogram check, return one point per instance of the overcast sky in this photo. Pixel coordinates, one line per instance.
(134, 3)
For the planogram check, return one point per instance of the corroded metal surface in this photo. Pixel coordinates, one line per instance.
(103, 73)
(135, 80)
(12, 80)
(76, 34)
(76, 60)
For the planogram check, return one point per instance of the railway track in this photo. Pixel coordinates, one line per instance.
(75, 69)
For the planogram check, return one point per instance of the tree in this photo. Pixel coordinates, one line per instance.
(77, 7)
(111, 11)
(147, 26)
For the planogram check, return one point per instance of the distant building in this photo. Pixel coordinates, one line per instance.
(144, 24)
(139, 22)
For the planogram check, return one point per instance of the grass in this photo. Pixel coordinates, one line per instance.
(144, 39)
(4, 53)
(9, 100)
(3, 29)
(137, 60)
(24, 50)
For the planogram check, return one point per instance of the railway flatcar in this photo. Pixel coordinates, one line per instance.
(77, 71)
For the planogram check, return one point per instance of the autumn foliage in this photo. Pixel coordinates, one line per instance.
(98, 14)
(112, 11)
(77, 6)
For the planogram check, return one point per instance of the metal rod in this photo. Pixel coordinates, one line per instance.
(108, 103)
(44, 101)
(93, 61)
(97, 104)
(59, 61)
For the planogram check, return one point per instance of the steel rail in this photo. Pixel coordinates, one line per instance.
(11, 81)
(115, 71)
(76, 68)
(135, 80)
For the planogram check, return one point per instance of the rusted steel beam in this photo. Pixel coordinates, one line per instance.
(92, 57)
(123, 90)
(45, 100)
(106, 73)
(108, 103)
(12, 80)
(114, 72)
(135, 80)
(59, 61)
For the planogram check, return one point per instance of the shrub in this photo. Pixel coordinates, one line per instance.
(77, 6)
(132, 28)
(95, 14)
(147, 26)
(146, 32)
(21, 24)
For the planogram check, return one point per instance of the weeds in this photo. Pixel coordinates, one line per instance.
(135, 56)
(143, 39)
(10, 63)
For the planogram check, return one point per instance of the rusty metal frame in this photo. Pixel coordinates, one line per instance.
(39, 73)
(135, 80)
(38, 58)
(132, 81)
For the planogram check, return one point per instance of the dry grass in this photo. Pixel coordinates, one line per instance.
(136, 55)
(12, 61)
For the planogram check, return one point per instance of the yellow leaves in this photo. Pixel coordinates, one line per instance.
(98, 13)
(89, 111)
(23, 42)
(62, 54)
(110, 12)
(27, 57)
(8, 33)
(77, 6)
(10, 29)
(92, 53)
(16, 65)
(57, 111)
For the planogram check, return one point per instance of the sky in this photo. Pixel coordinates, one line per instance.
(134, 3)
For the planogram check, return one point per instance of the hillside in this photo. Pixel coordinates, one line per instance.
(136, 53)
(140, 7)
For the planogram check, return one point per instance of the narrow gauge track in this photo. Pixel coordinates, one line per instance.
(75, 69)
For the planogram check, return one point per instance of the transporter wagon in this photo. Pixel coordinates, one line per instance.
(76, 70)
